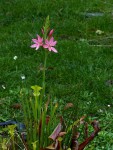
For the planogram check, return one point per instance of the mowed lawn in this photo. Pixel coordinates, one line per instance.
(82, 71)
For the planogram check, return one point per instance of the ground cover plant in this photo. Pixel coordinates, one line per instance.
(81, 72)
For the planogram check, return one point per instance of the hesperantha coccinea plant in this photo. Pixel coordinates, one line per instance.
(44, 128)
(41, 120)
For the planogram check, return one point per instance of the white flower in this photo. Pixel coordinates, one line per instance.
(23, 77)
(15, 57)
(82, 40)
(100, 110)
(109, 105)
(99, 32)
(3, 87)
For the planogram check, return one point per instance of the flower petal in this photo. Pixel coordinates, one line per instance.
(35, 40)
(50, 48)
(33, 46)
(54, 50)
(37, 47)
(51, 40)
(45, 46)
(40, 39)
(47, 42)
(51, 33)
(54, 43)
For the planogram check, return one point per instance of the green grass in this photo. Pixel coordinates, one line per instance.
(80, 70)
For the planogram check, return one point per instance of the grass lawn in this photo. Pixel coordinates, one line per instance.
(81, 72)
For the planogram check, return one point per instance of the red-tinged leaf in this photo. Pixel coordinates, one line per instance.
(74, 142)
(68, 105)
(40, 127)
(47, 119)
(16, 106)
(82, 119)
(61, 119)
(56, 132)
(40, 124)
(56, 144)
(51, 147)
(91, 137)
(86, 130)
(61, 134)
(47, 103)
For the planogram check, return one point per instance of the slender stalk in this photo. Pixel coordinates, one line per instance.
(36, 109)
(32, 107)
(43, 128)
(13, 142)
(43, 80)
(42, 98)
(44, 74)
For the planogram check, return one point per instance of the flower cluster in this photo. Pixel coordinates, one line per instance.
(48, 43)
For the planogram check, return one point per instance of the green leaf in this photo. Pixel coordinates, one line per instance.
(36, 90)
(11, 129)
(46, 26)
(60, 139)
(34, 145)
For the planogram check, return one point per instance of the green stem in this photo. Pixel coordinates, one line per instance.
(36, 108)
(43, 128)
(44, 73)
(13, 142)
(43, 80)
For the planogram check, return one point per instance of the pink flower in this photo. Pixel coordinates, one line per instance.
(49, 44)
(50, 33)
(38, 42)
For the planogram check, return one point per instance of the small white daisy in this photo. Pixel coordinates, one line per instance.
(109, 105)
(3, 87)
(99, 32)
(23, 77)
(15, 57)
(82, 40)
(100, 110)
